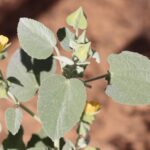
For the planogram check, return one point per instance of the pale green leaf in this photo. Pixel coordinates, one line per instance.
(60, 104)
(24, 84)
(82, 39)
(68, 146)
(130, 78)
(3, 89)
(82, 143)
(64, 60)
(96, 57)
(36, 39)
(77, 19)
(82, 51)
(13, 119)
(65, 36)
(84, 128)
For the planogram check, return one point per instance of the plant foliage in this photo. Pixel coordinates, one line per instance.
(62, 97)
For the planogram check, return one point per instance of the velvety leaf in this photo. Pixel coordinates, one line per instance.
(82, 143)
(36, 39)
(96, 57)
(82, 51)
(82, 39)
(84, 128)
(3, 89)
(27, 86)
(60, 104)
(77, 19)
(13, 119)
(68, 146)
(130, 78)
(64, 36)
(64, 60)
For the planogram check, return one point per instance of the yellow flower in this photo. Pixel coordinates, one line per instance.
(3, 42)
(92, 108)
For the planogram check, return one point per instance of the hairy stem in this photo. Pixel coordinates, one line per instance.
(24, 107)
(76, 32)
(58, 54)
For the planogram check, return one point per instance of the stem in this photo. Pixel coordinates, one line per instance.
(31, 113)
(76, 32)
(57, 51)
(79, 136)
(56, 144)
(24, 107)
(97, 78)
(58, 54)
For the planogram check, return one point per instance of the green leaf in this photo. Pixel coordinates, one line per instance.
(77, 19)
(82, 39)
(24, 84)
(60, 104)
(96, 57)
(130, 78)
(82, 143)
(84, 128)
(14, 142)
(36, 39)
(82, 51)
(65, 36)
(3, 89)
(68, 146)
(13, 119)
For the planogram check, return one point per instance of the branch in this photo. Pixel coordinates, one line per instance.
(24, 107)
(106, 76)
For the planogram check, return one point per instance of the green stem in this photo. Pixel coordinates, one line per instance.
(97, 78)
(24, 107)
(76, 32)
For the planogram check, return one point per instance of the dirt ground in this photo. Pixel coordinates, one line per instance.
(113, 26)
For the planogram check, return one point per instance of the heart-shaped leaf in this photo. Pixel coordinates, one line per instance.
(60, 104)
(130, 78)
(23, 83)
(36, 39)
(77, 19)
